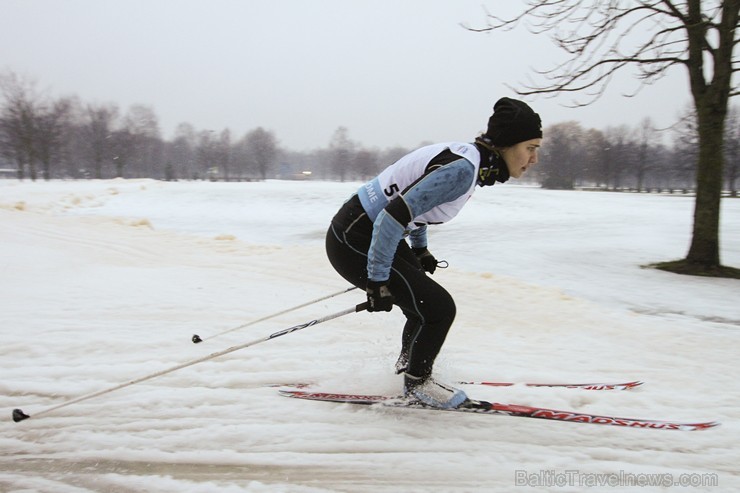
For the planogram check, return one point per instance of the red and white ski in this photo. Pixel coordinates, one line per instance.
(484, 407)
(583, 386)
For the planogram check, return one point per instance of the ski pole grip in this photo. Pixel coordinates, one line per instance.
(362, 307)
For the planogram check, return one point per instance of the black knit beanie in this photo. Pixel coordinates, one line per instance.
(513, 121)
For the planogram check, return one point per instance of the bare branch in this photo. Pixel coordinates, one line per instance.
(601, 38)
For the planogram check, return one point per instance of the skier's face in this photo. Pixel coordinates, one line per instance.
(520, 157)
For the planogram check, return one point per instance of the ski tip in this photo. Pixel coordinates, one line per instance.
(632, 385)
(19, 415)
(196, 339)
(703, 426)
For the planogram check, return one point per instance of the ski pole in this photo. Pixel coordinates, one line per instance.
(196, 338)
(19, 415)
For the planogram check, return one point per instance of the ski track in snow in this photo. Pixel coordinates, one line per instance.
(103, 282)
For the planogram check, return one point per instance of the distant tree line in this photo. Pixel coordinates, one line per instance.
(42, 137)
(632, 158)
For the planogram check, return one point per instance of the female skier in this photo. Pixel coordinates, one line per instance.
(365, 242)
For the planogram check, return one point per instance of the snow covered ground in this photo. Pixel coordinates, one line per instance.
(102, 282)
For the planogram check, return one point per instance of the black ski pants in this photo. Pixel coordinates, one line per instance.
(428, 307)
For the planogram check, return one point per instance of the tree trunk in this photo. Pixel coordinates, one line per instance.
(704, 248)
(20, 173)
(710, 100)
(46, 168)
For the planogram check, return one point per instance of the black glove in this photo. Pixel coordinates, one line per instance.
(379, 297)
(426, 259)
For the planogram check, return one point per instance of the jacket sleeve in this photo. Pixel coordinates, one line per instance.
(437, 187)
(418, 237)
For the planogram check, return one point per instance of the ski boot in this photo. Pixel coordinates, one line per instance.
(429, 392)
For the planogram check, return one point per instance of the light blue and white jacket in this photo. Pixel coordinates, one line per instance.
(411, 194)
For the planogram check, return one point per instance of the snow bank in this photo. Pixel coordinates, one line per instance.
(102, 282)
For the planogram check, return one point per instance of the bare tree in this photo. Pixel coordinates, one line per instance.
(222, 153)
(97, 131)
(122, 147)
(595, 151)
(141, 125)
(341, 150)
(181, 154)
(560, 160)
(261, 150)
(51, 124)
(206, 155)
(686, 150)
(647, 140)
(616, 156)
(365, 164)
(18, 119)
(653, 36)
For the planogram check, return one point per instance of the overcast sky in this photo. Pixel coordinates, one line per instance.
(394, 72)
